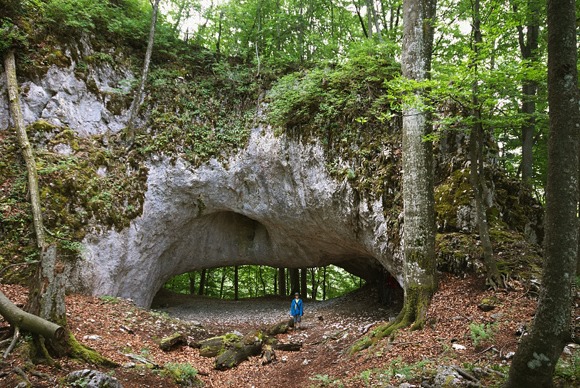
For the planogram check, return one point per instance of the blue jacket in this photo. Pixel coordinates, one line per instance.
(296, 307)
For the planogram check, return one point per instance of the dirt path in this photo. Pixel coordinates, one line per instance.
(329, 328)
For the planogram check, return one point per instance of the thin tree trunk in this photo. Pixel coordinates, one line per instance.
(477, 173)
(46, 297)
(192, 276)
(369, 18)
(535, 360)
(360, 18)
(138, 100)
(528, 43)
(294, 280)
(236, 282)
(282, 281)
(219, 37)
(304, 282)
(324, 284)
(222, 282)
(18, 119)
(202, 280)
(313, 272)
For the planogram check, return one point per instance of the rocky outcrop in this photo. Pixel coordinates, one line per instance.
(272, 203)
(90, 104)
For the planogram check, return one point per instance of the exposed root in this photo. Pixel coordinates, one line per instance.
(15, 339)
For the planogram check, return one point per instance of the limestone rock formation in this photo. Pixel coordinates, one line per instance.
(272, 203)
(89, 106)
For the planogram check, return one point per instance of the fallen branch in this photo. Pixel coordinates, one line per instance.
(29, 322)
(466, 375)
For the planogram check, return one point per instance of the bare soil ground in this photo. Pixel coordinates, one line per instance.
(120, 331)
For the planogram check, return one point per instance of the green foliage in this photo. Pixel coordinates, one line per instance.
(568, 368)
(325, 381)
(481, 332)
(202, 118)
(183, 374)
(109, 299)
(69, 17)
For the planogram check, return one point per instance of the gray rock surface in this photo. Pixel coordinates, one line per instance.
(92, 379)
(61, 98)
(273, 204)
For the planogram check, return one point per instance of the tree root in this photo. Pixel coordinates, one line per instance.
(87, 354)
(412, 315)
(15, 339)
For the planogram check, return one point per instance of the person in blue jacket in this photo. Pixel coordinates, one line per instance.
(296, 310)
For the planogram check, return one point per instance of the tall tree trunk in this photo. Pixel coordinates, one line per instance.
(294, 280)
(138, 100)
(314, 280)
(304, 282)
(192, 276)
(282, 281)
(202, 280)
(236, 282)
(419, 272)
(223, 281)
(219, 36)
(262, 281)
(369, 18)
(476, 153)
(528, 43)
(324, 278)
(538, 353)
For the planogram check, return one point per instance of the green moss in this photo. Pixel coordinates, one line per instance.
(452, 194)
(87, 354)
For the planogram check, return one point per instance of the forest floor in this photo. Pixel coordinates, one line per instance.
(459, 338)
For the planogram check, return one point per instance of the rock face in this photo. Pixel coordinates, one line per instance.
(273, 203)
(89, 105)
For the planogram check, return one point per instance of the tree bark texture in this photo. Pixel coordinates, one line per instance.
(29, 322)
(16, 112)
(418, 202)
(536, 357)
(47, 292)
(138, 100)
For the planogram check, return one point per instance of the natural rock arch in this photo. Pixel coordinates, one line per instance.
(273, 203)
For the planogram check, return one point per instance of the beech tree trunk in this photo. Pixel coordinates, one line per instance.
(535, 360)
(418, 203)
